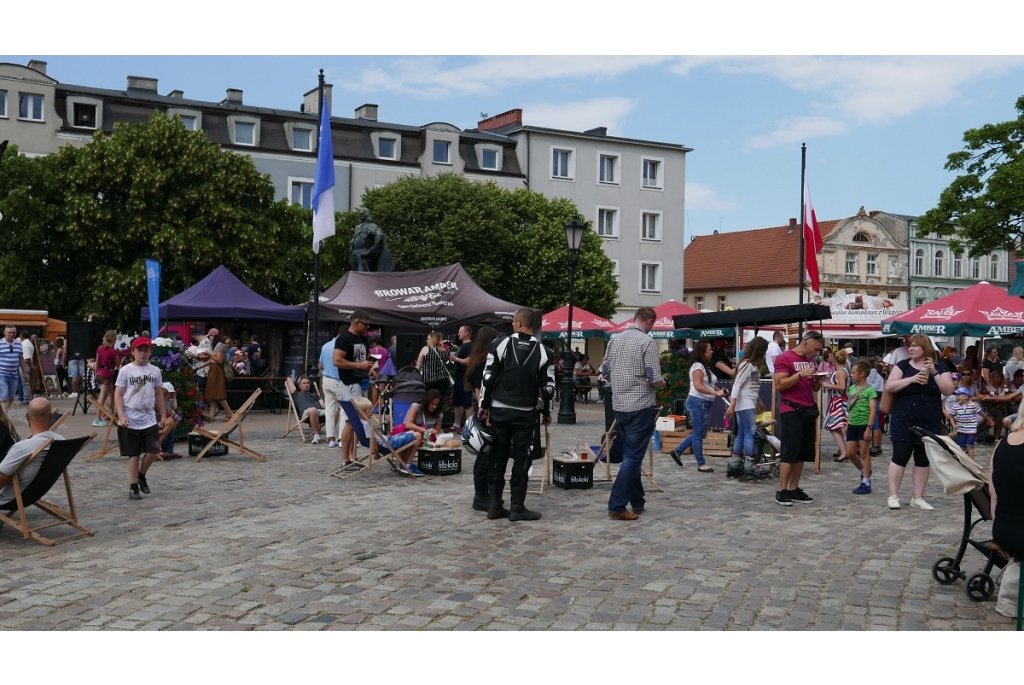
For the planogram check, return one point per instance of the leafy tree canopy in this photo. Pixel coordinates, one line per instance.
(987, 199)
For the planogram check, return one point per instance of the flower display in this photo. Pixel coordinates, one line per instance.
(677, 368)
(176, 368)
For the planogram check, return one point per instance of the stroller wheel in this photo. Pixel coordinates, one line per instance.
(979, 587)
(944, 571)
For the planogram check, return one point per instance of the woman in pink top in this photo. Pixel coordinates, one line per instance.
(106, 365)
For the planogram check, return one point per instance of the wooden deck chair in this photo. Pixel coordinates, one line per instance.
(110, 416)
(59, 454)
(294, 422)
(223, 436)
(544, 475)
(602, 454)
(57, 418)
(392, 456)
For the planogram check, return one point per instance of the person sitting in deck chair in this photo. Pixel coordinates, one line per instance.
(39, 423)
(309, 405)
(394, 442)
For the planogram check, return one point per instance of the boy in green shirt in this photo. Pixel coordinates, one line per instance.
(863, 402)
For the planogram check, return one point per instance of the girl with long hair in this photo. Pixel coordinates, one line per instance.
(106, 366)
(837, 416)
(698, 404)
(216, 384)
(431, 364)
(744, 403)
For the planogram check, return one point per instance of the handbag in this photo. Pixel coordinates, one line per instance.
(805, 412)
(229, 370)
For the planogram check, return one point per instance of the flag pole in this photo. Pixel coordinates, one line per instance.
(316, 255)
(803, 219)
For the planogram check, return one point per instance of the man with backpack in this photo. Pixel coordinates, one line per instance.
(519, 378)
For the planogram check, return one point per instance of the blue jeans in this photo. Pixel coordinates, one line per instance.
(698, 410)
(168, 444)
(637, 427)
(745, 427)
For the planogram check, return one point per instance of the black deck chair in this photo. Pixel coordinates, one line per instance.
(55, 464)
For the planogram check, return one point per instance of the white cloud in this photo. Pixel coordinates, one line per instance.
(430, 77)
(703, 196)
(857, 91)
(580, 116)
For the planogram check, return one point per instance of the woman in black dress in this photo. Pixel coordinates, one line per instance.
(918, 384)
(1007, 469)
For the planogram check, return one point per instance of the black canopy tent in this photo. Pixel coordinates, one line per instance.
(758, 316)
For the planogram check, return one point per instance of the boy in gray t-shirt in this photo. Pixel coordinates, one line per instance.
(139, 402)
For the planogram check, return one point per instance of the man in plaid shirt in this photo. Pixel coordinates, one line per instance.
(635, 368)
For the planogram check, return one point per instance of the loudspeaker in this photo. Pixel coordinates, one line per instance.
(84, 337)
(407, 348)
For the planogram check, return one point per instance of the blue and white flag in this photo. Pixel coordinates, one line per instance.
(323, 185)
(153, 286)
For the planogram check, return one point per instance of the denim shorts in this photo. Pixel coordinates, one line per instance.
(76, 368)
(8, 388)
(399, 441)
(965, 440)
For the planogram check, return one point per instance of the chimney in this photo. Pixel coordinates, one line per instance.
(367, 111)
(37, 64)
(599, 131)
(792, 225)
(142, 83)
(176, 94)
(233, 97)
(509, 118)
(311, 100)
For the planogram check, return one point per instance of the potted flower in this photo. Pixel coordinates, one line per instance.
(170, 356)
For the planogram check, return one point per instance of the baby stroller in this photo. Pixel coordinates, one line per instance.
(761, 467)
(961, 475)
(406, 388)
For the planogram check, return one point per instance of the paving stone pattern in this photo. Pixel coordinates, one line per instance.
(233, 544)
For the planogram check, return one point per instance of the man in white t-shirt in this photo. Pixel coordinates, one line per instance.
(774, 350)
(139, 403)
(28, 353)
(38, 416)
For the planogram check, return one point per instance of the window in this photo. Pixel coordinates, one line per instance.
(189, 122)
(302, 194)
(828, 295)
(872, 269)
(698, 302)
(608, 222)
(386, 148)
(652, 173)
(940, 260)
(442, 152)
(302, 139)
(245, 133)
(919, 263)
(190, 118)
(993, 266)
(489, 159)
(958, 266)
(851, 263)
(3, 104)
(608, 169)
(84, 115)
(561, 163)
(861, 238)
(650, 226)
(976, 268)
(650, 277)
(918, 301)
(30, 107)
(721, 303)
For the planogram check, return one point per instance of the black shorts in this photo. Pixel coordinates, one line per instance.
(460, 396)
(797, 434)
(902, 451)
(856, 433)
(134, 443)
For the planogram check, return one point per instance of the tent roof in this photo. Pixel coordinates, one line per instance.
(443, 298)
(584, 324)
(757, 316)
(221, 296)
(663, 319)
(983, 310)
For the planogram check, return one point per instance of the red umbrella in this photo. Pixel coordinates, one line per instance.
(584, 324)
(983, 310)
(663, 325)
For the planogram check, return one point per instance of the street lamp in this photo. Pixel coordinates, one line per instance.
(574, 231)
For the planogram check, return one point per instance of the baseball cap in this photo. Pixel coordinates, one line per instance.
(962, 391)
(169, 387)
(140, 342)
(213, 331)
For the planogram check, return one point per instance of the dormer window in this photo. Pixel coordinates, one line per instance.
(861, 238)
(30, 107)
(245, 133)
(386, 148)
(442, 152)
(489, 159)
(190, 118)
(84, 112)
(84, 115)
(302, 139)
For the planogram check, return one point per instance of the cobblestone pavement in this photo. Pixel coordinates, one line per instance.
(233, 544)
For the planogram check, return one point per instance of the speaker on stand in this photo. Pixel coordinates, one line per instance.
(84, 337)
(407, 348)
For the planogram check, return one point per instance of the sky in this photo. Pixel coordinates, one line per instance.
(878, 127)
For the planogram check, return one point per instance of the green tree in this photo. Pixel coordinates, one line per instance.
(987, 200)
(511, 243)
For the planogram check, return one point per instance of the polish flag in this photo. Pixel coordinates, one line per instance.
(812, 240)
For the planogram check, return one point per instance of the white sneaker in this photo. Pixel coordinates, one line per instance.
(332, 443)
(73, 396)
(316, 439)
(894, 502)
(920, 503)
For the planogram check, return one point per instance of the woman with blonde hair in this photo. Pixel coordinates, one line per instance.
(917, 384)
(431, 364)
(837, 415)
(1016, 362)
(106, 366)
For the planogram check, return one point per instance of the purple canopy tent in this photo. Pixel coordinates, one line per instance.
(443, 299)
(222, 297)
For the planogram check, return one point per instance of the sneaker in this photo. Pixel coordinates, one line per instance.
(894, 502)
(143, 485)
(73, 396)
(316, 440)
(99, 424)
(875, 451)
(862, 489)
(800, 496)
(332, 443)
(414, 470)
(920, 503)
(782, 497)
(133, 493)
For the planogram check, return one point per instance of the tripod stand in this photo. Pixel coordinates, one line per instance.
(84, 392)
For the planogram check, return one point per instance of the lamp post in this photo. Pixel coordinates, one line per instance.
(574, 231)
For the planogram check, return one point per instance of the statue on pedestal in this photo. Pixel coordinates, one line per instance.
(368, 251)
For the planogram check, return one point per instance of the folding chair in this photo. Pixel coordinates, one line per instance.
(544, 478)
(602, 454)
(384, 451)
(224, 434)
(56, 419)
(59, 454)
(294, 422)
(111, 418)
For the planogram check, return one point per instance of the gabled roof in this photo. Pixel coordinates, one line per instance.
(758, 258)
